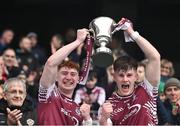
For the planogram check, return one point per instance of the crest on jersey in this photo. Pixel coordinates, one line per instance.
(30, 122)
(78, 111)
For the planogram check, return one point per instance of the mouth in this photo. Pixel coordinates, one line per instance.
(173, 97)
(16, 100)
(125, 86)
(68, 83)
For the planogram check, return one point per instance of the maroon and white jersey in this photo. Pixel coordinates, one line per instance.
(56, 109)
(139, 108)
(98, 92)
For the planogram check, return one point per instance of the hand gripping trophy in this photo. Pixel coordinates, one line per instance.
(102, 29)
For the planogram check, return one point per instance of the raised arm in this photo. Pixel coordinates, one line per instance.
(153, 56)
(50, 69)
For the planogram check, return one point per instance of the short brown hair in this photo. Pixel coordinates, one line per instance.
(125, 63)
(69, 64)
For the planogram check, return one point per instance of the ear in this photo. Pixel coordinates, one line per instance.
(25, 95)
(136, 76)
(95, 80)
(113, 75)
(78, 77)
(5, 96)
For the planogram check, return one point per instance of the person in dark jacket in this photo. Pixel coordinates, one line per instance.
(172, 103)
(163, 115)
(10, 62)
(16, 108)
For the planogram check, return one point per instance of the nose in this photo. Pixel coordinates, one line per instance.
(17, 95)
(68, 76)
(125, 78)
(172, 91)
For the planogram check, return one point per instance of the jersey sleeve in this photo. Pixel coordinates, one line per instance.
(151, 90)
(44, 93)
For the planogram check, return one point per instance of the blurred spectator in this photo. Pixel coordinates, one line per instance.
(10, 61)
(91, 94)
(16, 108)
(56, 43)
(162, 96)
(111, 85)
(22, 76)
(32, 83)
(3, 71)
(163, 117)
(167, 71)
(116, 48)
(167, 68)
(36, 49)
(172, 103)
(140, 72)
(1, 92)
(25, 58)
(5, 39)
(3, 76)
(70, 35)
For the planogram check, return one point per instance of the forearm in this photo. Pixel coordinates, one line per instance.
(103, 121)
(50, 69)
(87, 122)
(62, 53)
(153, 56)
(150, 52)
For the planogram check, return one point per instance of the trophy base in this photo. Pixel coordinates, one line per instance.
(102, 58)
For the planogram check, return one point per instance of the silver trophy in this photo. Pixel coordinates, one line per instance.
(102, 29)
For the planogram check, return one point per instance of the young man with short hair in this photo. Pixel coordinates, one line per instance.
(57, 84)
(133, 104)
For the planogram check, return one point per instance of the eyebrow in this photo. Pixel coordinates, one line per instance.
(9, 55)
(69, 72)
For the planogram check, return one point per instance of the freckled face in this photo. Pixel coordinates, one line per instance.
(67, 78)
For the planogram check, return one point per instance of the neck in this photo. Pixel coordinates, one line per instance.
(124, 94)
(66, 93)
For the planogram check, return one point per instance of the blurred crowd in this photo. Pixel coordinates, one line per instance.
(26, 63)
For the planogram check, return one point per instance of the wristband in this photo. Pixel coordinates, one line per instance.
(135, 35)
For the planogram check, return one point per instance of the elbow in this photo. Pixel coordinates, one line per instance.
(49, 63)
(157, 56)
(155, 83)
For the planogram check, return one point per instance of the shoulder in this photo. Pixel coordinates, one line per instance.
(113, 96)
(3, 118)
(3, 106)
(82, 89)
(97, 88)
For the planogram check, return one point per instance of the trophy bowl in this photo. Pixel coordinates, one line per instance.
(102, 28)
